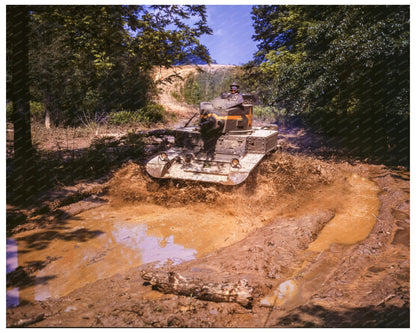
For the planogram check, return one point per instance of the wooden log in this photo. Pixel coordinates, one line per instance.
(174, 283)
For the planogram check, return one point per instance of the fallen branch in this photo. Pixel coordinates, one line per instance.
(174, 283)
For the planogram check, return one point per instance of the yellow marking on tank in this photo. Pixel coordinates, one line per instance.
(222, 117)
(250, 117)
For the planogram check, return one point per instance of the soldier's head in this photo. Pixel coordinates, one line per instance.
(234, 88)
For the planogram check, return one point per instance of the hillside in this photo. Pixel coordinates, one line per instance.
(174, 79)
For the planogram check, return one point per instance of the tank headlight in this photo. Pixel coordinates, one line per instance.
(235, 163)
(164, 157)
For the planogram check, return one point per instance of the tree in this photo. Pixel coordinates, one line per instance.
(344, 67)
(85, 61)
(89, 60)
(24, 173)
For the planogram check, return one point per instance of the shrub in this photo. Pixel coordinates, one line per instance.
(37, 111)
(265, 112)
(9, 111)
(123, 117)
(151, 113)
(177, 93)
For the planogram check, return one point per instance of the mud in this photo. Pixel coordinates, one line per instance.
(323, 242)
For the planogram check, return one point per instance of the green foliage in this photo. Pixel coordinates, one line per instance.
(177, 95)
(343, 68)
(9, 111)
(96, 157)
(268, 113)
(37, 111)
(151, 113)
(206, 85)
(89, 60)
(135, 145)
(163, 36)
(192, 90)
(123, 117)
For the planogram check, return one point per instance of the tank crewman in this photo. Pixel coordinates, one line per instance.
(234, 94)
(235, 88)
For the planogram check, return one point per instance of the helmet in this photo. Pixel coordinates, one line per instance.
(234, 86)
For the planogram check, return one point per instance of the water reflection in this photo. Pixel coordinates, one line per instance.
(152, 249)
(11, 255)
(70, 262)
(12, 295)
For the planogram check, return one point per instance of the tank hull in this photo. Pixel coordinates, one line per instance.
(227, 159)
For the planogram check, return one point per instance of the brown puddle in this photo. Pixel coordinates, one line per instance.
(99, 243)
(354, 221)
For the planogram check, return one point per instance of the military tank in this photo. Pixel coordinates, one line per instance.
(223, 147)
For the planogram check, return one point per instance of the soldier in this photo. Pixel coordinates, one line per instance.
(235, 88)
(235, 93)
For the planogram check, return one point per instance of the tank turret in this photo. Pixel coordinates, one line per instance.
(228, 112)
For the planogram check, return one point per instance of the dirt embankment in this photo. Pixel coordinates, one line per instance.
(283, 208)
(173, 80)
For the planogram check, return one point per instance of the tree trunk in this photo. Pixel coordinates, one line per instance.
(174, 283)
(47, 119)
(24, 176)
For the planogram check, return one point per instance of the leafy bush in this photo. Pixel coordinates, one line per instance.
(177, 94)
(37, 110)
(122, 117)
(135, 145)
(151, 113)
(9, 111)
(272, 114)
(265, 112)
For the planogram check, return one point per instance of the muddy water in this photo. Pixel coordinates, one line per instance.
(110, 239)
(355, 219)
(351, 224)
(101, 242)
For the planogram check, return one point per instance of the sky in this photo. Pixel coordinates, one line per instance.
(231, 42)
